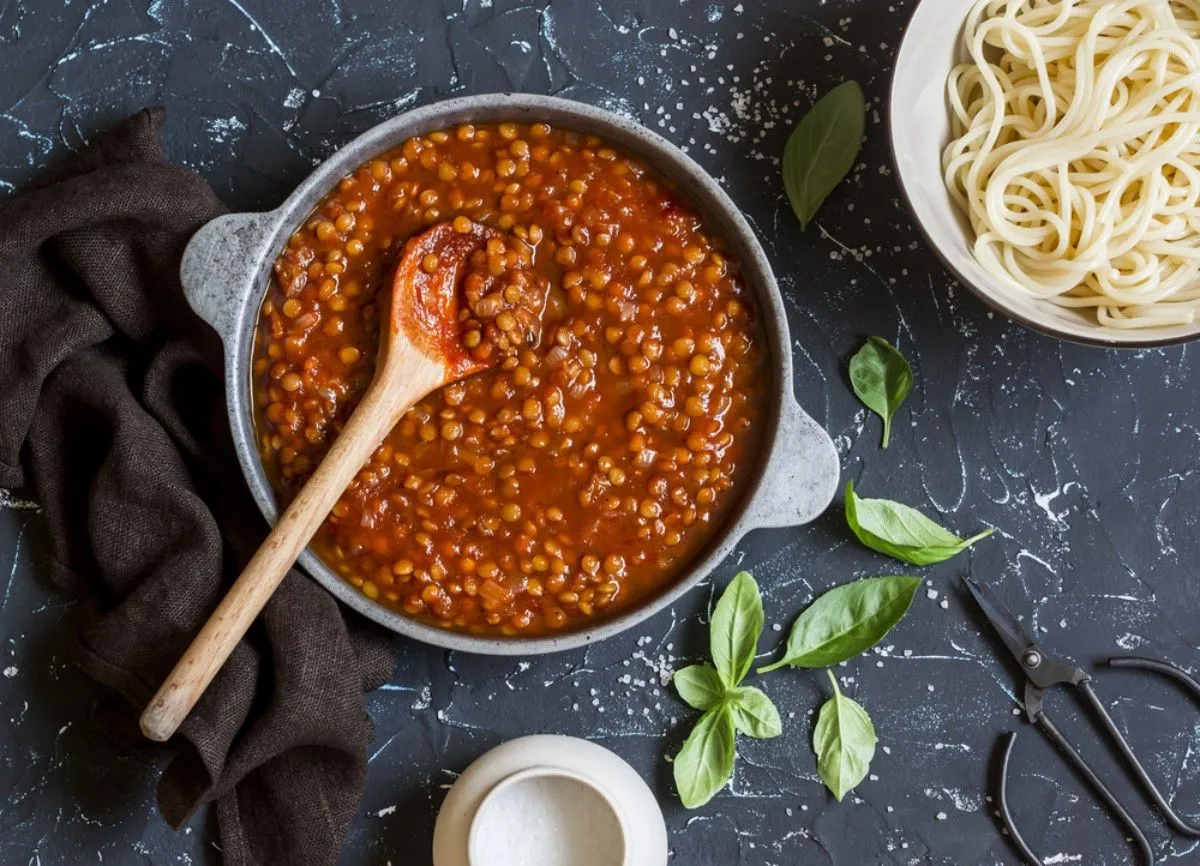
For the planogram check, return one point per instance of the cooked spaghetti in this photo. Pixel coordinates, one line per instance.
(1075, 154)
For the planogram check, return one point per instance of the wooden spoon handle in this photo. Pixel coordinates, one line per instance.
(378, 412)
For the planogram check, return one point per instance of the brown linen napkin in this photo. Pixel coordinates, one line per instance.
(114, 417)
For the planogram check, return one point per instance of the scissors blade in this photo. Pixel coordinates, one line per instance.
(1041, 670)
(1011, 630)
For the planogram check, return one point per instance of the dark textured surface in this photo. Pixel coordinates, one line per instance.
(1087, 462)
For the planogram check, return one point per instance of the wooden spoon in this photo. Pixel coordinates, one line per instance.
(419, 351)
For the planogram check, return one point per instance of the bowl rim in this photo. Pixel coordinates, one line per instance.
(266, 232)
(990, 302)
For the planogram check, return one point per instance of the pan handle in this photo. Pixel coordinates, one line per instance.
(801, 475)
(219, 262)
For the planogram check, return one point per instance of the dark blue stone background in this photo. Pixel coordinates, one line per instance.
(1086, 461)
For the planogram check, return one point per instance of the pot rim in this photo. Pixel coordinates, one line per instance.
(229, 294)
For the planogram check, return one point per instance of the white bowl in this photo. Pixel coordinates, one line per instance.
(550, 800)
(919, 121)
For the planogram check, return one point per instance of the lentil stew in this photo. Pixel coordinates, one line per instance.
(602, 452)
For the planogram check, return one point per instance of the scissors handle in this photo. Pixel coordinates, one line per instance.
(1168, 813)
(1113, 804)
(1081, 766)
(1006, 815)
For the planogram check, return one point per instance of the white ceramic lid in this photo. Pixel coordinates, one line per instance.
(550, 800)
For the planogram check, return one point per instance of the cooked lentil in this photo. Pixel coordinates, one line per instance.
(602, 450)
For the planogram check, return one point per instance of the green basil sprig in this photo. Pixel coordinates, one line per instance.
(846, 621)
(705, 763)
(822, 148)
(901, 532)
(882, 379)
(839, 625)
(844, 740)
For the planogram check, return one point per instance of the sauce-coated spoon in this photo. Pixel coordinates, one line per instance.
(420, 351)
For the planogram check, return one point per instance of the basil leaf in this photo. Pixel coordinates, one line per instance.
(754, 714)
(699, 685)
(737, 622)
(844, 740)
(846, 621)
(902, 532)
(882, 379)
(822, 148)
(705, 762)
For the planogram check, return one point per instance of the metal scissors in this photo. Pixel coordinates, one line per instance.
(1043, 671)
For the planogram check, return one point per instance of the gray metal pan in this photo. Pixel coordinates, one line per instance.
(227, 266)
